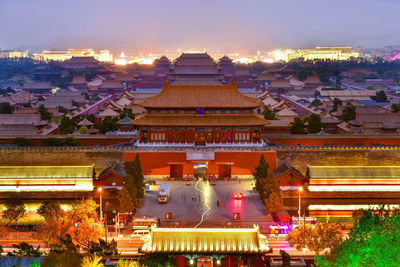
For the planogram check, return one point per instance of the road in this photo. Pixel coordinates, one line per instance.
(188, 204)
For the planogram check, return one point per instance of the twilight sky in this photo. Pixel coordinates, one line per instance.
(225, 25)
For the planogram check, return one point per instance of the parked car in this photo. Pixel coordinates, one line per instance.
(140, 233)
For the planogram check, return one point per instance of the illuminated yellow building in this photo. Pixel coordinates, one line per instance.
(21, 179)
(13, 54)
(319, 53)
(48, 55)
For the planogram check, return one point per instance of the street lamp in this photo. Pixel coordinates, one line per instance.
(100, 189)
(300, 190)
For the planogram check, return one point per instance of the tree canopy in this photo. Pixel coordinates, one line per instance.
(374, 240)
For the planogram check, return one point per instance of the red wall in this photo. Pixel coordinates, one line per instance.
(157, 163)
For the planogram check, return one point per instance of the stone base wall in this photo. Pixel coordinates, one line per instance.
(101, 158)
(301, 158)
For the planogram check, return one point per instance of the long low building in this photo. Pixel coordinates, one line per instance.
(353, 178)
(208, 246)
(25, 180)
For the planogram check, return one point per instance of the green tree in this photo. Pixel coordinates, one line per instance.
(25, 250)
(374, 240)
(298, 127)
(134, 180)
(71, 141)
(45, 115)
(314, 123)
(62, 109)
(336, 102)
(102, 248)
(51, 141)
(27, 105)
(349, 112)
(63, 254)
(83, 130)
(395, 108)
(6, 108)
(127, 112)
(260, 173)
(316, 102)
(268, 114)
(108, 124)
(22, 141)
(15, 210)
(381, 97)
(66, 126)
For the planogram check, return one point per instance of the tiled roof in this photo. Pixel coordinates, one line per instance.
(37, 85)
(200, 96)
(20, 119)
(215, 120)
(354, 172)
(37, 172)
(280, 84)
(206, 240)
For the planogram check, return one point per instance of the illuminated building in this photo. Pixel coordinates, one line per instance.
(339, 190)
(196, 66)
(54, 55)
(319, 53)
(13, 54)
(26, 180)
(208, 246)
(208, 116)
(223, 113)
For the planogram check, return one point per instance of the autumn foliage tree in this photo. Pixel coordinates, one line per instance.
(318, 238)
(15, 210)
(80, 223)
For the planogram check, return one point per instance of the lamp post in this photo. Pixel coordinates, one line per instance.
(300, 190)
(106, 222)
(100, 189)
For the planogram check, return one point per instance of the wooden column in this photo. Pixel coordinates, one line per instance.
(167, 135)
(233, 136)
(251, 136)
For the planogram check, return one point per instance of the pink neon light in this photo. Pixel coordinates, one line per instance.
(396, 57)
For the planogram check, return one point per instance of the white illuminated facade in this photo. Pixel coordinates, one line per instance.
(319, 53)
(53, 55)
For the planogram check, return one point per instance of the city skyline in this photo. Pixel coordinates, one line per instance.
(225, 26)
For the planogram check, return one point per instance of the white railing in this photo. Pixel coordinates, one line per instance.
(208, 145)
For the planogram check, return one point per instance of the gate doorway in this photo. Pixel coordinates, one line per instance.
(200, 170)
(224, 171)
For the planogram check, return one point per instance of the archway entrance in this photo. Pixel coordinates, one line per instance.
(200, 170)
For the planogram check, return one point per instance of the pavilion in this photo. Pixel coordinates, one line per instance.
(208, 246)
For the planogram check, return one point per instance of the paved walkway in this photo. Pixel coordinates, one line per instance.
(188, 204)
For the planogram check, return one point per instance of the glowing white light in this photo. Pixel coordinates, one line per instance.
(354, 188)
(347, 207)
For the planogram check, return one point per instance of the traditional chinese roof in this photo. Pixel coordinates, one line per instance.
(353, 172)
(20, 119)
(38, 172)
(206, 240)
(85, 122)
(280, 84)
(108, 113)
(115, 168)
(215, 120)
(200, 96)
